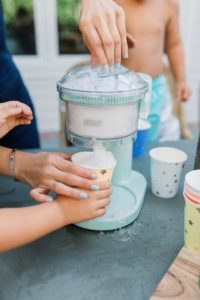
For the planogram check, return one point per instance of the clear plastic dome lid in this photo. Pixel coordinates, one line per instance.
(90, 81)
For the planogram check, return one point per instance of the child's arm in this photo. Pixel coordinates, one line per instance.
(175, 52)
(19, 226)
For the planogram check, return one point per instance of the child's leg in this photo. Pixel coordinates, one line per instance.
(157, 103)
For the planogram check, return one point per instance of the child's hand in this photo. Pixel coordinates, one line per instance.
(12, 114)
(182, 91)
(75, 211)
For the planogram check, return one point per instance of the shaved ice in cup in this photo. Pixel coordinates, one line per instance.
(100, 162)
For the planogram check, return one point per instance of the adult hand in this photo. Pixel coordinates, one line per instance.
(54, 171)
(12, 114)
(102, 23)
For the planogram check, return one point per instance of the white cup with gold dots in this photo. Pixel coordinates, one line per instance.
(103, 170)
(166, 168)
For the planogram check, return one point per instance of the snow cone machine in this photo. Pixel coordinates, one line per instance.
(105, 107)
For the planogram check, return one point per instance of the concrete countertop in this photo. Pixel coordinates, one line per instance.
(76, 264)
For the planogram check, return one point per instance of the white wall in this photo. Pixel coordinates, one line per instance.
(41, 73)
(190, 29)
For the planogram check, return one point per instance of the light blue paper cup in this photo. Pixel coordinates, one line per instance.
(139, 146)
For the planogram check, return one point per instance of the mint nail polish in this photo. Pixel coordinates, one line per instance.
(117, 66)
(106, 68)
(49, 200)
(83, 195)
(126, 54)
(94, 176)
(94, 187)
(111, 69)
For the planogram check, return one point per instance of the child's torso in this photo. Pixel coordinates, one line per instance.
(146, 20)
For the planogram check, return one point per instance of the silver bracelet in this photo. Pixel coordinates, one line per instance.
(12, 164)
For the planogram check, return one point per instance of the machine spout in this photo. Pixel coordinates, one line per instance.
(122, 152)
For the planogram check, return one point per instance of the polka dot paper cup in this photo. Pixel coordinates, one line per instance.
(192, 226)
(191, 194)
(166, 168)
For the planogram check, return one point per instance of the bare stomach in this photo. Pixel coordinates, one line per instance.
(145, 62)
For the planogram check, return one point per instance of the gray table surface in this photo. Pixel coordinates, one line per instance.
(77, 264)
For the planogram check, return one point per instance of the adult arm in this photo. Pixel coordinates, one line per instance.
(46, 171)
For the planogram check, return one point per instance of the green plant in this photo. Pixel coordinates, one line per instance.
(68, 12)
(10, 8)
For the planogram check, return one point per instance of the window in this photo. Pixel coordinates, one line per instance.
(69, 35)
(18, 15)
(53, 29)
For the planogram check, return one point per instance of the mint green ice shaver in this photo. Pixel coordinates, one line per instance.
(106, 107)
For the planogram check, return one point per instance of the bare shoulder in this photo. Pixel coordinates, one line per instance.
(172, 5)
(172, 9)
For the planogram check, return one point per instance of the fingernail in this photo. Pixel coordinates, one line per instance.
(94, 176)
(83, 195)
(126, 54)
(117, 65)
(106, 68)
(94, 187)
(49, 200)
(111, 69)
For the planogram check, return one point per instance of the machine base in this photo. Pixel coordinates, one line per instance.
(125, 206)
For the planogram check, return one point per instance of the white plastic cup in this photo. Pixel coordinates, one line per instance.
(166, 168)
